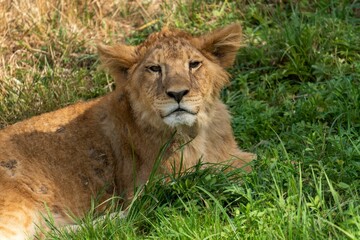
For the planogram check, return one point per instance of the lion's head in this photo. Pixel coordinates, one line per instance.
(174, 78)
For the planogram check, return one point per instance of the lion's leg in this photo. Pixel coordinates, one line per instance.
(242, 160)
(18, 216)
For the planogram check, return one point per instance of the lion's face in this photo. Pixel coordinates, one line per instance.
(173, 78)
(175, 82)
(170, 77)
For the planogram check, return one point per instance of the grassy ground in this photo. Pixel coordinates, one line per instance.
(294, 96)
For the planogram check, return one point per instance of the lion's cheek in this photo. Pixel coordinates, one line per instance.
(204, 86)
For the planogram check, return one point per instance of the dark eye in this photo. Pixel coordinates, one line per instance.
(194, 64)
(155, 68)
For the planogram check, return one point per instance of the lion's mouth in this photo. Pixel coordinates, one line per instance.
(179, 116)
(179, 111)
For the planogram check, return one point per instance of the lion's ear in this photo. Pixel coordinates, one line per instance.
(223, 43)
(117, 59)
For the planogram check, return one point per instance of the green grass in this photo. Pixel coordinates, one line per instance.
(295, 101)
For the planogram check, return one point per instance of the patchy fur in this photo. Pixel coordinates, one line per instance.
(167, 89)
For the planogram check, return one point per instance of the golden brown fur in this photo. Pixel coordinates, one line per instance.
(168, 84)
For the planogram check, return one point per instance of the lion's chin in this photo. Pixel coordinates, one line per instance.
(179, 119)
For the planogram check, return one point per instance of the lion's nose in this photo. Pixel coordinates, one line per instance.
(177, 95)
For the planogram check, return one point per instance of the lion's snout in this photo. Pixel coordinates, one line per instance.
(177, 95)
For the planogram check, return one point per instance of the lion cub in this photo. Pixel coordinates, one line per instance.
(167, 91)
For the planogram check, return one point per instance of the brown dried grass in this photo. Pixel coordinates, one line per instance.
(47, 37)
(26, 26)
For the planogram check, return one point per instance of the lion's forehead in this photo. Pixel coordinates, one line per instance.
(173, 51)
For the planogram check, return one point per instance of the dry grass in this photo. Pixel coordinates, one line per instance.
(27, 26)
(48, 41)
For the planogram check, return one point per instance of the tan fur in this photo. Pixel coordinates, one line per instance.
(64, 158)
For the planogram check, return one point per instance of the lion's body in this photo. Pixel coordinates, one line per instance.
(59, 161)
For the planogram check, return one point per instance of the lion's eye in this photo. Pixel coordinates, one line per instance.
(155, 68)
(194, 64)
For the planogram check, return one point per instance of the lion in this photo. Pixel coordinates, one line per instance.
(167, 93)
